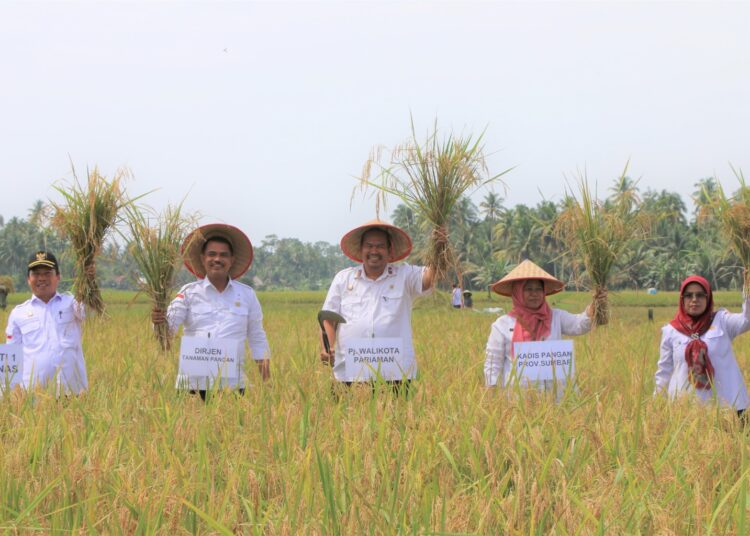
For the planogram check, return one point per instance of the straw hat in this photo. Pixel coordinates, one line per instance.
(351, 244)
(241, 247)
(527, 270)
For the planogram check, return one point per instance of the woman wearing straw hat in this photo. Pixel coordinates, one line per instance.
(375, 299)
(217, 306)
(696, 348)
(530, 319)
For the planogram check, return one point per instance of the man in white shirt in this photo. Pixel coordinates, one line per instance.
(217, 306)
(48, 327)
(375, 298)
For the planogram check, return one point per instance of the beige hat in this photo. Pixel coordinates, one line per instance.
(242, 249)
(527, 270)
(351, 244)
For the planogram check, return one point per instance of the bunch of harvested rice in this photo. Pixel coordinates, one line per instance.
(598, 233)
(154, 243)
(85, 219)
(430, 178)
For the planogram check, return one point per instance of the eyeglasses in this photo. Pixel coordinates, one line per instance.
(694, 296)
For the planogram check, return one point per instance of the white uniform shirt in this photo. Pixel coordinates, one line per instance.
(672, 369)
(375, 309)
(456, 297)
(233, 315)
(499, 354)
(51, 337)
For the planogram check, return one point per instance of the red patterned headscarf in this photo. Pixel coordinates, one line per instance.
(531, 324)
(700, 369)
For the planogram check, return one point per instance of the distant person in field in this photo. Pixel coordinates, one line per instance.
(375, 298)
(217, 306)
(456, 297)
(696, 349)
(530, 319)
(48, 326)
(3, 296)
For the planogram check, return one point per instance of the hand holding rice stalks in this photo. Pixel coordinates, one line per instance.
(154, 243)
(733, 215)
(430, 178)
(598, 233)
(85, 218)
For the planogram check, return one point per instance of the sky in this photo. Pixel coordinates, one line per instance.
(262, 114)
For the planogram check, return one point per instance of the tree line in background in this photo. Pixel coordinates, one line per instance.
(489, 239)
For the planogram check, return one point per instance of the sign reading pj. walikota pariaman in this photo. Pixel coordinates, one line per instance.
(11, 364)
(544, 360)
(368, 358)
(214, 358)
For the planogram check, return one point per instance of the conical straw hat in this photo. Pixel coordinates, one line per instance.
(241, 247)
(351, 243)
(527, 270)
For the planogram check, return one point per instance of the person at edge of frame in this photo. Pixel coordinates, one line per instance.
(375, 298)
(48, 327)
(695, 354)
(217, 305)
(530, 319)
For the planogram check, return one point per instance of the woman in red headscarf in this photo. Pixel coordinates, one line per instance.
(696, 348)
(530, 319)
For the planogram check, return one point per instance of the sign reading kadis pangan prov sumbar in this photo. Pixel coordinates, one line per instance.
(544, 360)
(11, 364)
(215, 358)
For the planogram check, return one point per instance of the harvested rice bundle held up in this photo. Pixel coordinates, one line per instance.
(598, 233)
(154, 243)
(733, 214)
(85, 218)
(430, 178)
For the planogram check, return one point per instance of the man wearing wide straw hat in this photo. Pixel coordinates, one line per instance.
(530, 319)
(217, 306)
(48, 326)
(375, 299)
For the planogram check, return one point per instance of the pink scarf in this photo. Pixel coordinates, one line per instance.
(531, 324)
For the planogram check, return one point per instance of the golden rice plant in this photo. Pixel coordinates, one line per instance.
(733, 214)
(154, 242)
(85, 217)
(429, 178)
(7, 282)
(598, 233)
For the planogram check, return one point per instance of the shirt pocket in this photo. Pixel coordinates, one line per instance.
(67, 328)
(351, 305)
(391, 302)
(719, 345)
(29, 325)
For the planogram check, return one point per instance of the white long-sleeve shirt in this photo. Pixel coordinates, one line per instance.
(50, 334)
(233, 315)
(729, 384)
(498, 364)
(374, 309)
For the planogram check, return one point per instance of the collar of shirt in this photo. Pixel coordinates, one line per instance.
(206, 284)
(389, 271)
(35, 299)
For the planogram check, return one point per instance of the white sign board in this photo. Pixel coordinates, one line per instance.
(11, 364)
(544, 360)
(209, 357)
(368, 358)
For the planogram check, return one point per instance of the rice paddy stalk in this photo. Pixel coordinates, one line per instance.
(733, 215)
(85, 217)
(429, 178)
(598, 233)
(154, 243)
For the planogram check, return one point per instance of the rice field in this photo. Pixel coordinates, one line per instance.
(133, 456)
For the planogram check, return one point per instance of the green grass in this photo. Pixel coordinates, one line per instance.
(134, 457)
